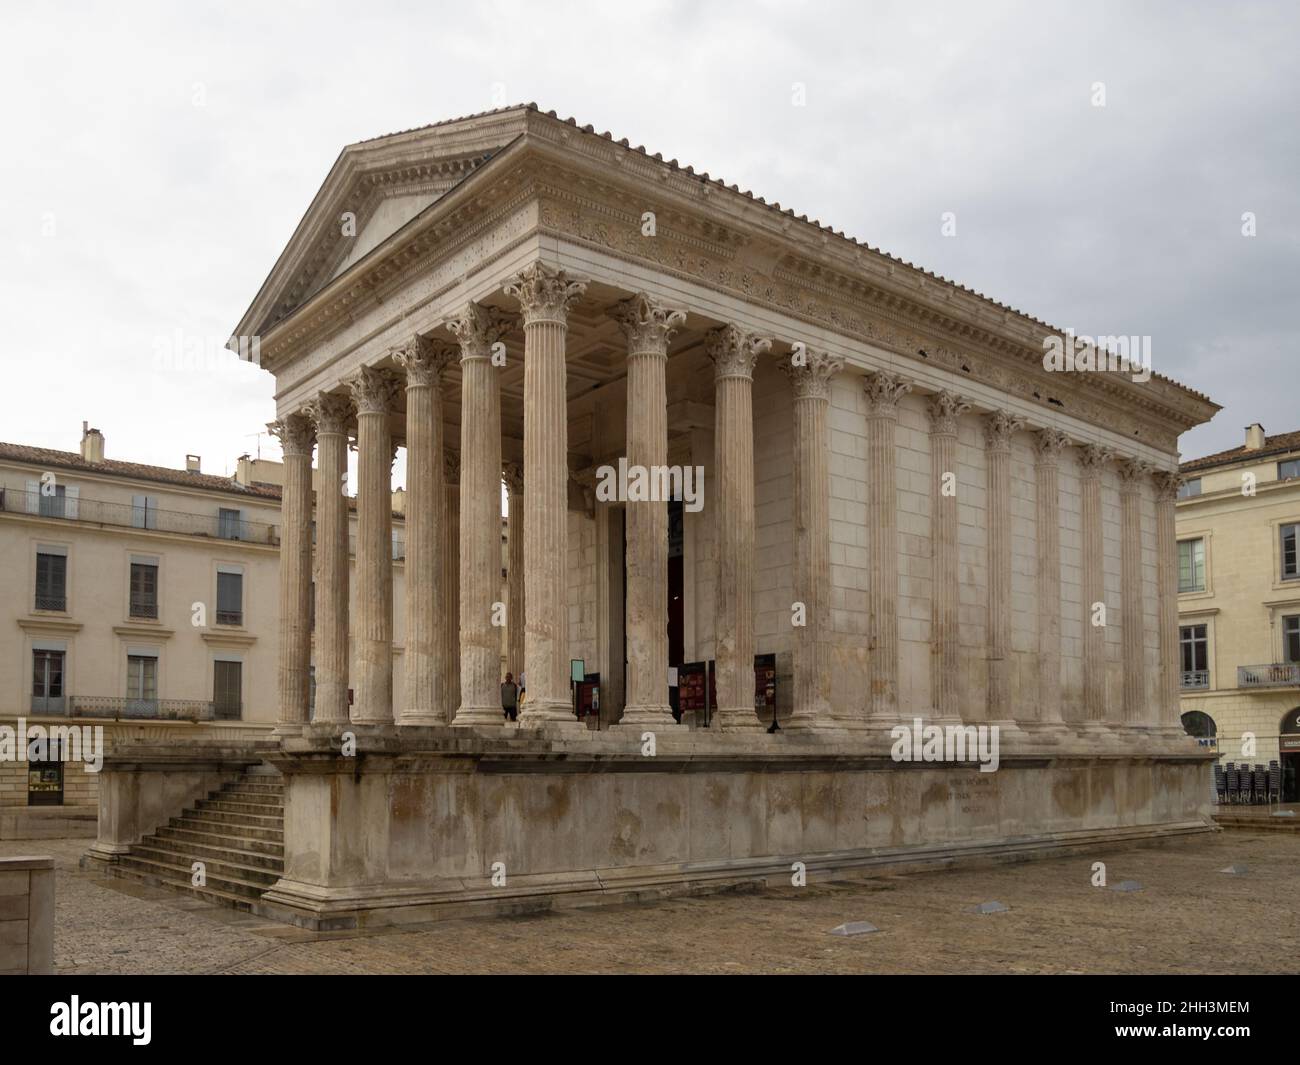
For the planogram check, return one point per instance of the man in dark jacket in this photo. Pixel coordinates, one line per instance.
(510, 698)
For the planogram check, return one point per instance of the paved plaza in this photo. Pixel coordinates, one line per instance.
(1188, 918)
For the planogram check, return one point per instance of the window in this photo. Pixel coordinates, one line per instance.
(144, 512)
(1288, 469)
(47, 682)
(230, 524)
(144, 590)
(1290, 564)
(227, 678)
(51, 581)
(1191, 566)
(1291, 638)
(142, 681)
(1194, 648)
(52, 506)
(230, 598)
(1189, 488)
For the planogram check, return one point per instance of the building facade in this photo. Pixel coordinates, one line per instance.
(1239, 601)
(141, 599)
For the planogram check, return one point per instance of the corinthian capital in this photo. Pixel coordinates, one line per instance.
(811, 376)
(1050, 443)
(295, 434)
(374, 391)
(1167, 483)
(945, 408)
(647, 324)
(544, 292)
(999, 428)
(424, 359)
(330, 412)
(884, 390)
(1132, 472)
(513, 474)
(1093, 457)
(478, 327)
(734, 351)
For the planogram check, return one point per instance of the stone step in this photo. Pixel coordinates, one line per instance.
(262, 771)
(179, 875)
(227, 824)
(244, 787)
(208, 852)
(232, 839)
(261, 809)
(250, 799)
(236, 817)
(157, 878)
(219, 868)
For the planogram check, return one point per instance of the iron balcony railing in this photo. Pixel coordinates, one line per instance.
(129, 709)
(129, 516)
(1274, 675)
(1195, 678)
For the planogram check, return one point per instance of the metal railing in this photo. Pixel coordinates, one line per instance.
(141, 609)
(51, 602)
(128, 709)
(1195, 678)
(1273, 675)
(127, 515)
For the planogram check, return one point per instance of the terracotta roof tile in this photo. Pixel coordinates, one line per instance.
(1273, 445)
(43, 456)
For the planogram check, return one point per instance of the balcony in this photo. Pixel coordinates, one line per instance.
(127, 709)
(127, 516)
(1194, 679)
(1276, 675)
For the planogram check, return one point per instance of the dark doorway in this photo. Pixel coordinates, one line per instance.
(676, 599)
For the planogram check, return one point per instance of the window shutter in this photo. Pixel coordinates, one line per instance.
(151, 512)
(139, 506)
(71, 504)
(33, 497)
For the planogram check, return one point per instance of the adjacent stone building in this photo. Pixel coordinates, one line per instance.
(1239, 601)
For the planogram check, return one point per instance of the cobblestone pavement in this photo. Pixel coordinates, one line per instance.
(1188, 918)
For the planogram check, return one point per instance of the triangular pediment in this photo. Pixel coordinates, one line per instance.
(375, 188)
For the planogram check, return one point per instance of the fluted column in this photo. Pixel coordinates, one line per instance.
(1169, 714)
(1132, 475)
(648, 326)
(1092, 460)
(1047, 533)
(449, 603)
(515, 608)
(734, 353)
(545, 295)
(295, 433)
(810, 380)
(945, 650)
(375, 393)
(477, 329)
(884, 390)
(999, 428)
(424, 361)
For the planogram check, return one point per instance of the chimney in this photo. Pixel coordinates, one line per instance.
(1254, 437)
(244, 471)
(193, 464)
(92, 443)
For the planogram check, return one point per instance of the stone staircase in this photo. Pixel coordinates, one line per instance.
(237, 832)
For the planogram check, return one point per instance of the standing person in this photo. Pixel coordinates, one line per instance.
(510, 698)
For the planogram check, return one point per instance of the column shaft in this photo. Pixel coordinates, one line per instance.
(884, 391)
(1092, 459)
(1168, 715)
(374, 392)
(999, 428)
(1047, 533)
(945, 649)
(734, 353)
(449, 601)
(295, 436)
(1132, 474)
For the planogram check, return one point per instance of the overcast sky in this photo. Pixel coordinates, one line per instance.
(157, 158)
